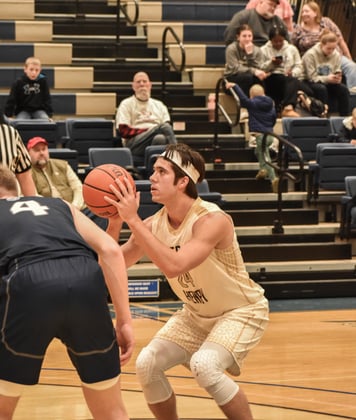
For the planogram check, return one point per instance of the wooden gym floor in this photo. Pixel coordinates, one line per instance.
(304, 369)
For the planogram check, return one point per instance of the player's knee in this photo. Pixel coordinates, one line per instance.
(159, 139)
(150, 373)
(205, 367)
(209, 374)
(146, 365)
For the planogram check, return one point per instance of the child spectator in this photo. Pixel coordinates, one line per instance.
(347, 131)
(29, 95)
(262, 118)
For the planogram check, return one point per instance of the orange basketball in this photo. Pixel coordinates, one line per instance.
(97, 185)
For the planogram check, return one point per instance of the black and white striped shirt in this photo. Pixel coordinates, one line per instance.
(13, 152)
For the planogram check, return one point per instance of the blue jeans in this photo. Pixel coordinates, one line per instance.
(35, 115)
(348, 68)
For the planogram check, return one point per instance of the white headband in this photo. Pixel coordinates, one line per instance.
(189, 170)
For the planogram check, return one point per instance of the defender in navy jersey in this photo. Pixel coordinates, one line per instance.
(194, 244)
(51, 285)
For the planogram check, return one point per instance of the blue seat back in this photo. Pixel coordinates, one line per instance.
(306, 133)
(336, 161)
(84, 133)
(71, 156)
(38, 128)
(121, 156)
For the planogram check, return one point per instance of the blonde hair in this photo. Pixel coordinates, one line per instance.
(32, 60)
(327, 36)
(8, 180)
(314, 6)
(256, 90)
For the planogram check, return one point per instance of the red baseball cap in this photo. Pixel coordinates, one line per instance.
(34, 141)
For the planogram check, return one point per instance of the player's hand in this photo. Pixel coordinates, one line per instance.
(126, 341)
(128, 200)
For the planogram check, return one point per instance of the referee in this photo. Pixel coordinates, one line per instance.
(13, 154)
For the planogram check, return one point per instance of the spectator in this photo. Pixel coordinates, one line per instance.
(53, 287)
(29, 95)
(13, 154)
(142, 120)
(285, 68)
(261, 20)
(244, 60)
(284, 10)
(262, 118)
(322, 64)
(307, 33)
(56, 178)
(194, 244)
(347, 131)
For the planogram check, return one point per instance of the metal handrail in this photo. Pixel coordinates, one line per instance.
(283, 150)
(220, 87)
(122, 8)
(166, 57)
(281, 167)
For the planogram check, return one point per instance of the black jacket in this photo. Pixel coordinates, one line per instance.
(29, 95)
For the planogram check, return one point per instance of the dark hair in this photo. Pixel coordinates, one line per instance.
(277, 30)
(187, 155)
(243, 27)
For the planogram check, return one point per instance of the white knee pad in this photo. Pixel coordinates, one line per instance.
(209, 373)
(155, 385)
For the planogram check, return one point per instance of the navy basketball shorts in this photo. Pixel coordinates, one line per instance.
(64, 298)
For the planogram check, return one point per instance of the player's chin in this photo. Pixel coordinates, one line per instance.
(155, 196)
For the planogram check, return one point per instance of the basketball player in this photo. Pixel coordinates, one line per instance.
(194, 244)
(52, 286)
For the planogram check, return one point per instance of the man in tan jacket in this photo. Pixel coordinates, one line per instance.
(56, 178)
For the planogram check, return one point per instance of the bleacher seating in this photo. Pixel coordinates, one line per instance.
(70, 155)
(26, 30)
(147, 206)
(336, 124)
(151, 154)
(183, 10)
(348, 208)
(333, 162)
(84, 133)
(207, 195)
(306, 133)
(50, 53)
(19, 9)
(121, 156)
(38, 128)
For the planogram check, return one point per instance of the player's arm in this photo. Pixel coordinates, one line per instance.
(131, 249)
(211, 231)
(26, 182)
(215, 230)
(113, 265)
